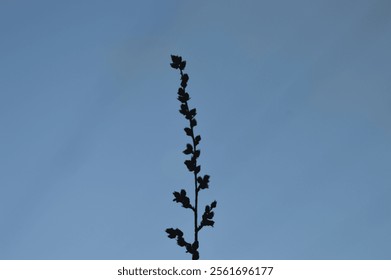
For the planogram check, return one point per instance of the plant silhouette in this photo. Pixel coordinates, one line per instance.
(200, 182)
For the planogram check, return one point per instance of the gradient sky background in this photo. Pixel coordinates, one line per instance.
(294, 110)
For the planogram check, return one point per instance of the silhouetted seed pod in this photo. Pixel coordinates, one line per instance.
(184, 109)
(181, 91)
(197, 153)
(189, 149)
(185, 78)
(193, 122)
(176, 61)
(182, 99)
(207, 223)
(178, 232)
(182, 65)
(181, 242)
(171, 233)
(193, 112)
(190, 165)
(197, 169)
(173, 65)
(188, 131)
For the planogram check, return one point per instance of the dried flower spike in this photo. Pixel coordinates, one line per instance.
(200, 182)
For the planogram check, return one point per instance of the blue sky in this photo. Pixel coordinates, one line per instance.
(294, 110)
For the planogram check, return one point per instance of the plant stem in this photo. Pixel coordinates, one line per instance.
(196, 201)
(195, 180)
(199, 182)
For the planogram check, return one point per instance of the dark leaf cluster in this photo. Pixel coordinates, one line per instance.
(177, 62)
(190, 248)
(189, 149)
(207, 217)
(189, 131)
(189, 114)
(184, 79)
(193, 250)
(173, 233)
(181, 197)
(192, 165)
(203, 183)
(183, 96)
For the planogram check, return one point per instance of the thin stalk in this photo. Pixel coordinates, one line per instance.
(195, 179)
(199, 182)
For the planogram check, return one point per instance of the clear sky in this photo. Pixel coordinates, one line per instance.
(294, 109)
